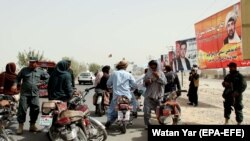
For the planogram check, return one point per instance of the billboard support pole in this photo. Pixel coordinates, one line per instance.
(182, 78)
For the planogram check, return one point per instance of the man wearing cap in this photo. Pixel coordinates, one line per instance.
(234, 84)
(29, 97)
(230, 24)
(121, 82)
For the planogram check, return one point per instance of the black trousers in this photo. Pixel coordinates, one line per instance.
(26, 102)
(193, 95)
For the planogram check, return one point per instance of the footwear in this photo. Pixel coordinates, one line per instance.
(20, 129)
(190, 103)
(107, 125)
(195, 105)
(239, 123)
(135, 114)
(33, 128)
(226, 121)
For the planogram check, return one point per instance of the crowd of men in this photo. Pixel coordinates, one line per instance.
(122, 83)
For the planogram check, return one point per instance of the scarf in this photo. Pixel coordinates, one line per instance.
(8, 78)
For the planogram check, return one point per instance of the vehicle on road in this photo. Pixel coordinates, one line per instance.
(64, 124)
(169, 111)
(125, 116)
(93, 129)
(86, 77)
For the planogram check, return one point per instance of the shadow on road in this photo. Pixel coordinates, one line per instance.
(142, 137)
(183, 102)
(28, 136)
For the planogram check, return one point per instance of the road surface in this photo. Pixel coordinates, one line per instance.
(134, 133)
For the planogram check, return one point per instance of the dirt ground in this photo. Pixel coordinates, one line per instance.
(210, 109)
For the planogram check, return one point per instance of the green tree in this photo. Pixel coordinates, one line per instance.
(76, 66)
(23, 57)
(93, 67)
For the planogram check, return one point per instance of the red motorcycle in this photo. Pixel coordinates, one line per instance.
(169, 111)
(125, 116)
(93, 129)
(65, 124)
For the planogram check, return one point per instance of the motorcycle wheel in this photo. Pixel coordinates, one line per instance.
(52, 136)
(123, 128)
(8, 138)
(102, 132)
(81, 136)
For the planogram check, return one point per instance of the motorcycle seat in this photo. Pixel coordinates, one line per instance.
(72, 114)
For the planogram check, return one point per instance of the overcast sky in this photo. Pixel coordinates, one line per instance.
(90, 30)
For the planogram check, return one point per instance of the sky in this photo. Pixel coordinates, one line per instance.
(90, 30)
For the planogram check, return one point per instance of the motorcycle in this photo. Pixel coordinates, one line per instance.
(64, 124)
(6, 114)
(102, 101)
(93, 129)
(169, 111)
(125, 116)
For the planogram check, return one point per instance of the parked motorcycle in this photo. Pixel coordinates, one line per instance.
(93, 129)
(125, 116)
(65, 124)
(6, 114)
(169, 111)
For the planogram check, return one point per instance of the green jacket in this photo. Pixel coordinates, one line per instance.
(60, 83)
(30, 80)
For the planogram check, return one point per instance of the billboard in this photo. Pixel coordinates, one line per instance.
(186, 55)
(245, 8)
(219, 39)
(164, 60)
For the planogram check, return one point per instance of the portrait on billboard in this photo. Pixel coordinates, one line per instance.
(230, 25)
(186, 55)
(219, 39)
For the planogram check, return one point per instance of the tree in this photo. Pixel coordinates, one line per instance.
(93, 67)
(76, 66)
(23, 57)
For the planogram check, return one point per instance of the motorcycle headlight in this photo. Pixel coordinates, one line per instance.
(166, 120)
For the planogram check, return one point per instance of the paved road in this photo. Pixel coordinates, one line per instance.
(134, 133)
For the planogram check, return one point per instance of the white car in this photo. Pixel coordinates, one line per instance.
(86, 77)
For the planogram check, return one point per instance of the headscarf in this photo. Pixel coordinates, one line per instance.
(158, 69)
(8, 77)
(62, 66)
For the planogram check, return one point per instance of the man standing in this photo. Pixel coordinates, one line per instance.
(59, 86)
(121, 82)
(173, 82)
(193, 87)
(234, 84)
(154, 81)
(230, 24)
(29, 97)
(182, 63)
(71, 73)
